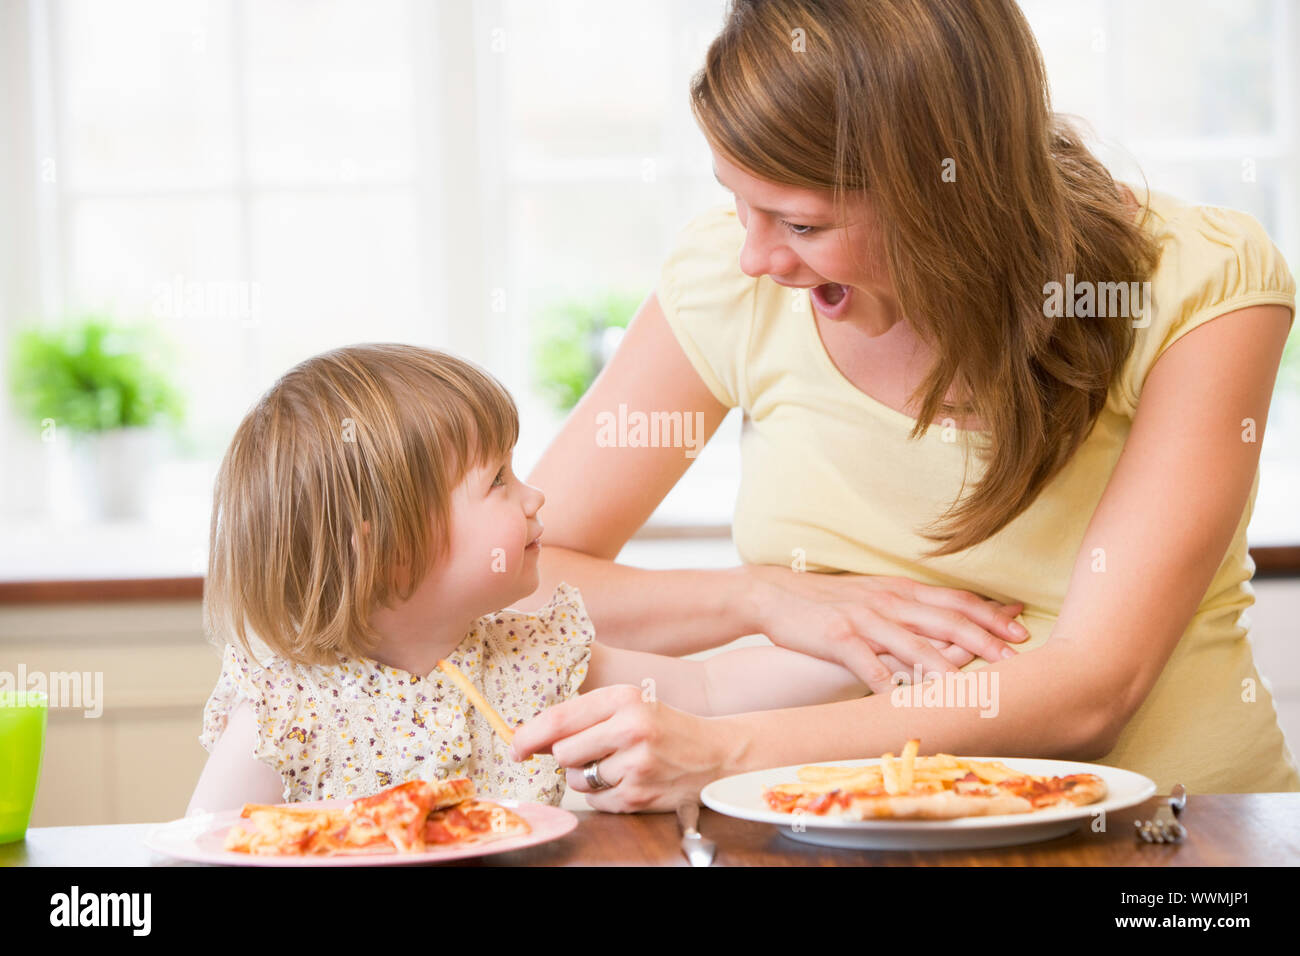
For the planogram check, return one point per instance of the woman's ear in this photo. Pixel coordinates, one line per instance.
(365, 532)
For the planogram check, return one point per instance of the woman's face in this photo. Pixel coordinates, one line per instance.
(793, 236)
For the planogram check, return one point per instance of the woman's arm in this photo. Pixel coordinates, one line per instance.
(661, 612)
(654, 755)
(1163, 524)
(231, 777)
(1160, 532)
(597, 497)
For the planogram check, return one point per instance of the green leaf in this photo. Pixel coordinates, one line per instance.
(566, 350)
(93, 375)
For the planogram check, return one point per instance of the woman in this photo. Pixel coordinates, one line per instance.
(967, 359)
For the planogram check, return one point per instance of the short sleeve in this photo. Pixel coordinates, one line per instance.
(275, 706)
(572, 633)
(709, 302)
(1212, 261)
(563, 640)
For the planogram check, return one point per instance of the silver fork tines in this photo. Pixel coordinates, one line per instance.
(1168, 829)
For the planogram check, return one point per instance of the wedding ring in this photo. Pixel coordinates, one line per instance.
(593, 777)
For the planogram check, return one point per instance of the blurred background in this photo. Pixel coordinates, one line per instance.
(197, 194)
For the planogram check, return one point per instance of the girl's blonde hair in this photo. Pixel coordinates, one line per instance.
(337, 486)
(938, 112)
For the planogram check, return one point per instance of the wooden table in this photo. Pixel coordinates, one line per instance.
(1254, 829)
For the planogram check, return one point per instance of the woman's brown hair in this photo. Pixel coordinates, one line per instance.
(881, 99)
(335, 494)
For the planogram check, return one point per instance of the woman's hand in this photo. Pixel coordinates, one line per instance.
(652, 755)
(876, 626)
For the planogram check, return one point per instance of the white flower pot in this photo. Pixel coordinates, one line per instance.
(115, 470)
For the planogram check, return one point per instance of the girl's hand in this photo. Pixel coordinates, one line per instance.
(876, 626)
(652, 755)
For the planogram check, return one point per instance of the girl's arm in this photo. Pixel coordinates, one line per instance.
(231, 777)
(730, 682)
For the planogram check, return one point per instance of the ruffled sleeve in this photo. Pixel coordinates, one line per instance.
(710, 303)
(572, 633)
(276, 708)
(1212, 261)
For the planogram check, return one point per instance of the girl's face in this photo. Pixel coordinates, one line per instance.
(492, 559)
(793, 236)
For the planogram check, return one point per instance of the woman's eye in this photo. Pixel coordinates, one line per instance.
(798, 230)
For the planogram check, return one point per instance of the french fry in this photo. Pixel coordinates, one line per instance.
(476, 699)
(890, 771)
(992, 771)
(827, 774)
(908, 765)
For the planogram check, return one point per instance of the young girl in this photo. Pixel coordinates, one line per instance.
(366, 524)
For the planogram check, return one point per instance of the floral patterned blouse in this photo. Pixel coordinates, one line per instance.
(356, 727)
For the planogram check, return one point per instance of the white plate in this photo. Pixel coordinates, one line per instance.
(742, 796)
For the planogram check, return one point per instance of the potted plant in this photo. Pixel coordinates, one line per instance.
(108, 387)
(575, 338)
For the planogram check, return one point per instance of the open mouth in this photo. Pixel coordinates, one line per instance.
(831, 299)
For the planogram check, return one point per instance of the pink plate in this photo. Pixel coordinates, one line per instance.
(199, 839)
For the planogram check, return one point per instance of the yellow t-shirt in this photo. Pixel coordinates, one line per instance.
(829, 475)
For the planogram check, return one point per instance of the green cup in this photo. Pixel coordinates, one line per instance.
(22, 739)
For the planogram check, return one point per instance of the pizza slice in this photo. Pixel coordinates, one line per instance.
(399, 813)
(473, 821)
(928, 788)
(407, 818)
(285, 830)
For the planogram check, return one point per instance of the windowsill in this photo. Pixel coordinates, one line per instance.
(152, 563)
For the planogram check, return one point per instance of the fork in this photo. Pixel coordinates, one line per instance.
(1156, 830)
(699, 849)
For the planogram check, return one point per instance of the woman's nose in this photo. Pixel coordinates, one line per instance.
(763, 252)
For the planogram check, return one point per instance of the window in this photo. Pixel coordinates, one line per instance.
(272, 178)
(1202, 99)
(596, 178)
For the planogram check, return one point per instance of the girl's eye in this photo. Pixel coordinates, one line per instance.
(798, 230)
(500, 477)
